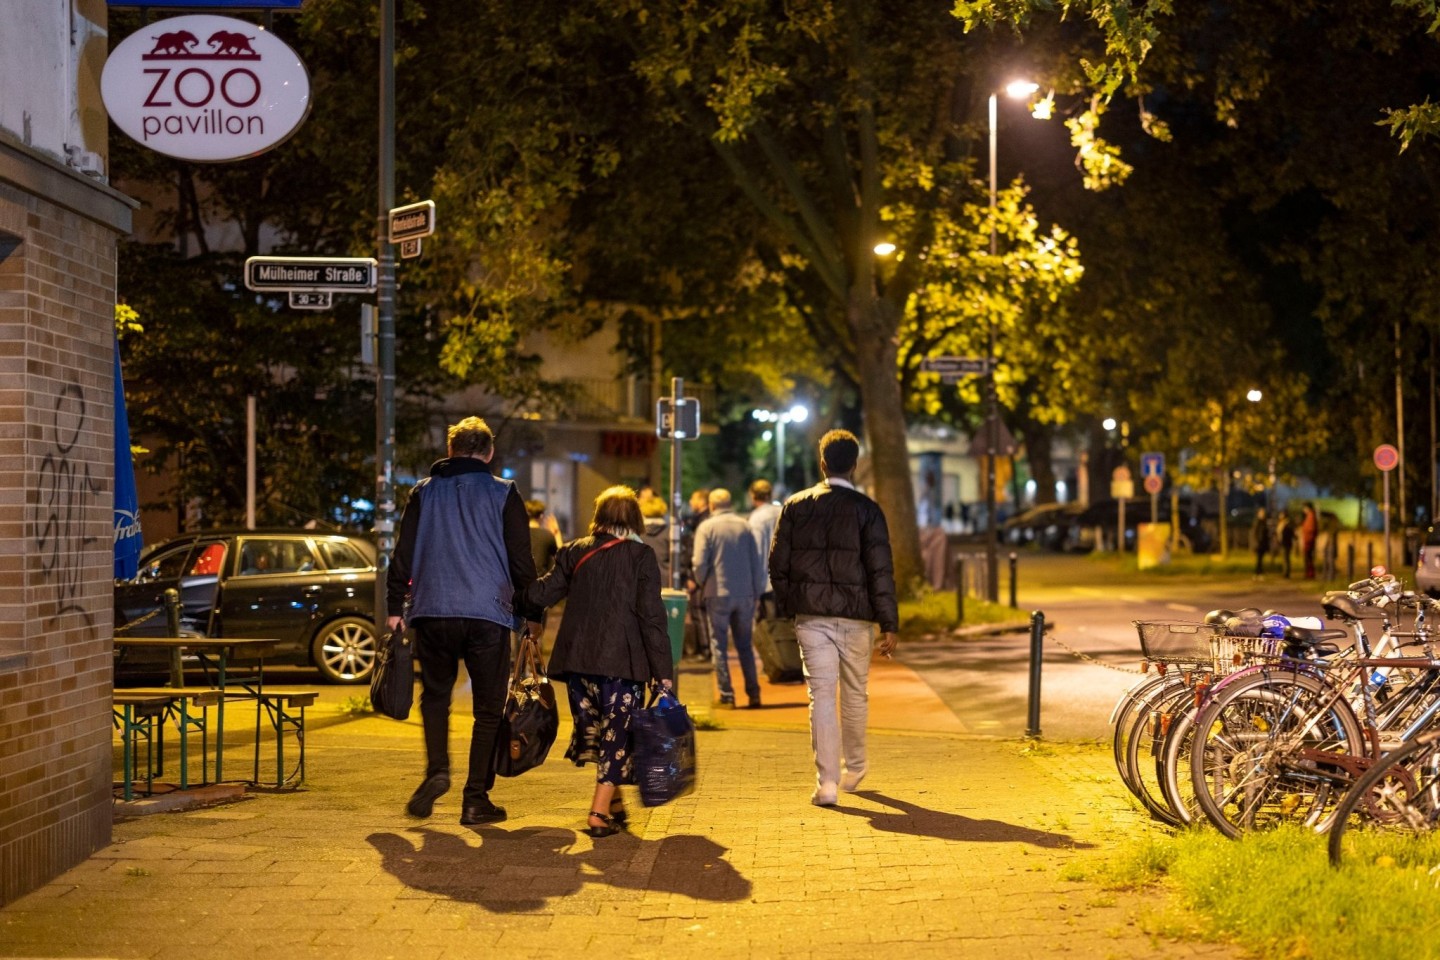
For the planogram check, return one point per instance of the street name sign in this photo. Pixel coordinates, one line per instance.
(412, 221)
(336, 274)
(310, 299)
(677, 421)
(954, 365)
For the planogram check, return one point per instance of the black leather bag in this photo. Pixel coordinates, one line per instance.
(530, 720)
(392, 685)
(663, 737)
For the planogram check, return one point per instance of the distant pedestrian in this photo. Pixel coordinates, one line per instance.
(612, 640)
(764, 512)
(1309, 530)
(1285, 531)
(697, 628)
(730, 576)
(833, 572)
(1260, 540)
(657, 535)
(544, 536)
(463, 559)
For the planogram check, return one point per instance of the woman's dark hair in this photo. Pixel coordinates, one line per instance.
(617, 508)
(838, 451)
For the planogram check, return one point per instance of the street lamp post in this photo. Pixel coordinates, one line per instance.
(796, 414)
(1018, 88)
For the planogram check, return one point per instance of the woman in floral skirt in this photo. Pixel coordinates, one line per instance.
(612, 640)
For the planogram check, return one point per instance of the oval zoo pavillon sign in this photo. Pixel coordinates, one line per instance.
(206, 88)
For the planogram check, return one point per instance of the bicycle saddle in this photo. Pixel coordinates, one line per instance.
(1317, 643)
(1339, 604)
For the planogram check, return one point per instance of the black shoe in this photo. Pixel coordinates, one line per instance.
(727, 701)
(754, 704)
(422, 801)
(482, 812)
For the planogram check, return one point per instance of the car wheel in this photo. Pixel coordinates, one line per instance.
(344, 650)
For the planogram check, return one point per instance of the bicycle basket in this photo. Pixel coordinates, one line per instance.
(1230, 653)
(1172, 641)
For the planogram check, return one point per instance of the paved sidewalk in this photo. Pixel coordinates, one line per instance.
(953, 848)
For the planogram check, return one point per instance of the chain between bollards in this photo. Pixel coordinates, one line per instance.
(1037, 653)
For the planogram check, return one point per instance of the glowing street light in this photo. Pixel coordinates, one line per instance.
(796, 414)
(884, 249)
(1254, 396)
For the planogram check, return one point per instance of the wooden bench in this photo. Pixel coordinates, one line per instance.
(182, 699)
(135, 715)
(286, 711)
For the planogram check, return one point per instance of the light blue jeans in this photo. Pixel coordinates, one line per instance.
(735, 614)
(836, 654)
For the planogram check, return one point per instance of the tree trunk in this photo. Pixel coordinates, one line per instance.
(1039, 438)
(876, 354)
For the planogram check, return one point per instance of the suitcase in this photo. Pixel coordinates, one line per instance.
(779, 651)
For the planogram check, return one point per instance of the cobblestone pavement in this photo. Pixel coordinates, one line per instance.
(954, 847)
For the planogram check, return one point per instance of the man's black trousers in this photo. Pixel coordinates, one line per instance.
(441, 643)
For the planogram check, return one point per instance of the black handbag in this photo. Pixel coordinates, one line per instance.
(530, 720)
(392, 684)
(663, 736)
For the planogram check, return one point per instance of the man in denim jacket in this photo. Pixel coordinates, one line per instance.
(463, 558)
(731, 578)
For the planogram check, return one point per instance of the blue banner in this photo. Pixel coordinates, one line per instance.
(128, 540)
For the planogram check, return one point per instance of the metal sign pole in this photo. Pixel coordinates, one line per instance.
(677, 388)
(1388, 564)
(385, 315)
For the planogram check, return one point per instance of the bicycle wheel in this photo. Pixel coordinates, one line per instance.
(1173, 765)
(1143, 750)
(1124, 715)
(1396, 799)
(1259, 752)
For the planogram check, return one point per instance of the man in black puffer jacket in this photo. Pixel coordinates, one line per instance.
(832, 571)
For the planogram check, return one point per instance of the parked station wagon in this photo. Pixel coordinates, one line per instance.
(312, 591)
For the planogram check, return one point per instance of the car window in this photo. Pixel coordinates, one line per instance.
(260, 556)
(207, 559)
(167, 566)
(339, 555)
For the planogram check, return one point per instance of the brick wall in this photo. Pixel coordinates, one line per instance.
(57, 295)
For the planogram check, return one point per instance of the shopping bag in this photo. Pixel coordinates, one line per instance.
(392, 684)
(530, 720)
(663, 738)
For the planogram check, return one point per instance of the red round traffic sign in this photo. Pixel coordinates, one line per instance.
(1386, 457)
(1153, 484)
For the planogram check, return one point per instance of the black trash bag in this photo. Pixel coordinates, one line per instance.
(663, 738)
(530, 719)
(392, 685)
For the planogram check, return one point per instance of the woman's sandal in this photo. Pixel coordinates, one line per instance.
(618, 814)
(610, 828)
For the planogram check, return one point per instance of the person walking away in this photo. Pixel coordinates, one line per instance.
(697, 629)
(1285, 533)
(1260, 540)
(657, 535)
(463, 560)
(612, 639)
(544, 537)
(764, 512)
(1309, 530)
(730, 577)
(833, 572)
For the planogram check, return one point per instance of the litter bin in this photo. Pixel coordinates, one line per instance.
(675, 602)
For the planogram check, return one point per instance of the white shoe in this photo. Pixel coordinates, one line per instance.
(850, 782)
(824, 795)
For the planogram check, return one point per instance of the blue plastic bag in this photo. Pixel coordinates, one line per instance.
(663, 736)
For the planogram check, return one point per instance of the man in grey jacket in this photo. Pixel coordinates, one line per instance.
(731, 577)
(460, 570)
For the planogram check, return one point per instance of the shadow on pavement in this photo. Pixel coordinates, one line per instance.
(913, 820)
(520, 870)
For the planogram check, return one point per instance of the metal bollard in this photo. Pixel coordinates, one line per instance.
(959, 590)
(1350, 559)
(1037, 653)
(1013, 560)
(1369, 558)
(172, 621)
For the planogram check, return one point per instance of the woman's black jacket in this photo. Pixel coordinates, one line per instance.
(614, 621)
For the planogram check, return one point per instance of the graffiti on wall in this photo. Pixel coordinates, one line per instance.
(65, 495)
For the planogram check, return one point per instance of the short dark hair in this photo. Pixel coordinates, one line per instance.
(617, 507)
(535, 509)
(471, 437)
(838, 452)
(762, 491)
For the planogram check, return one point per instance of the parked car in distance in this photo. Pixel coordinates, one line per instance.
(1427, 564)
(1046, 525)
(312, 591)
